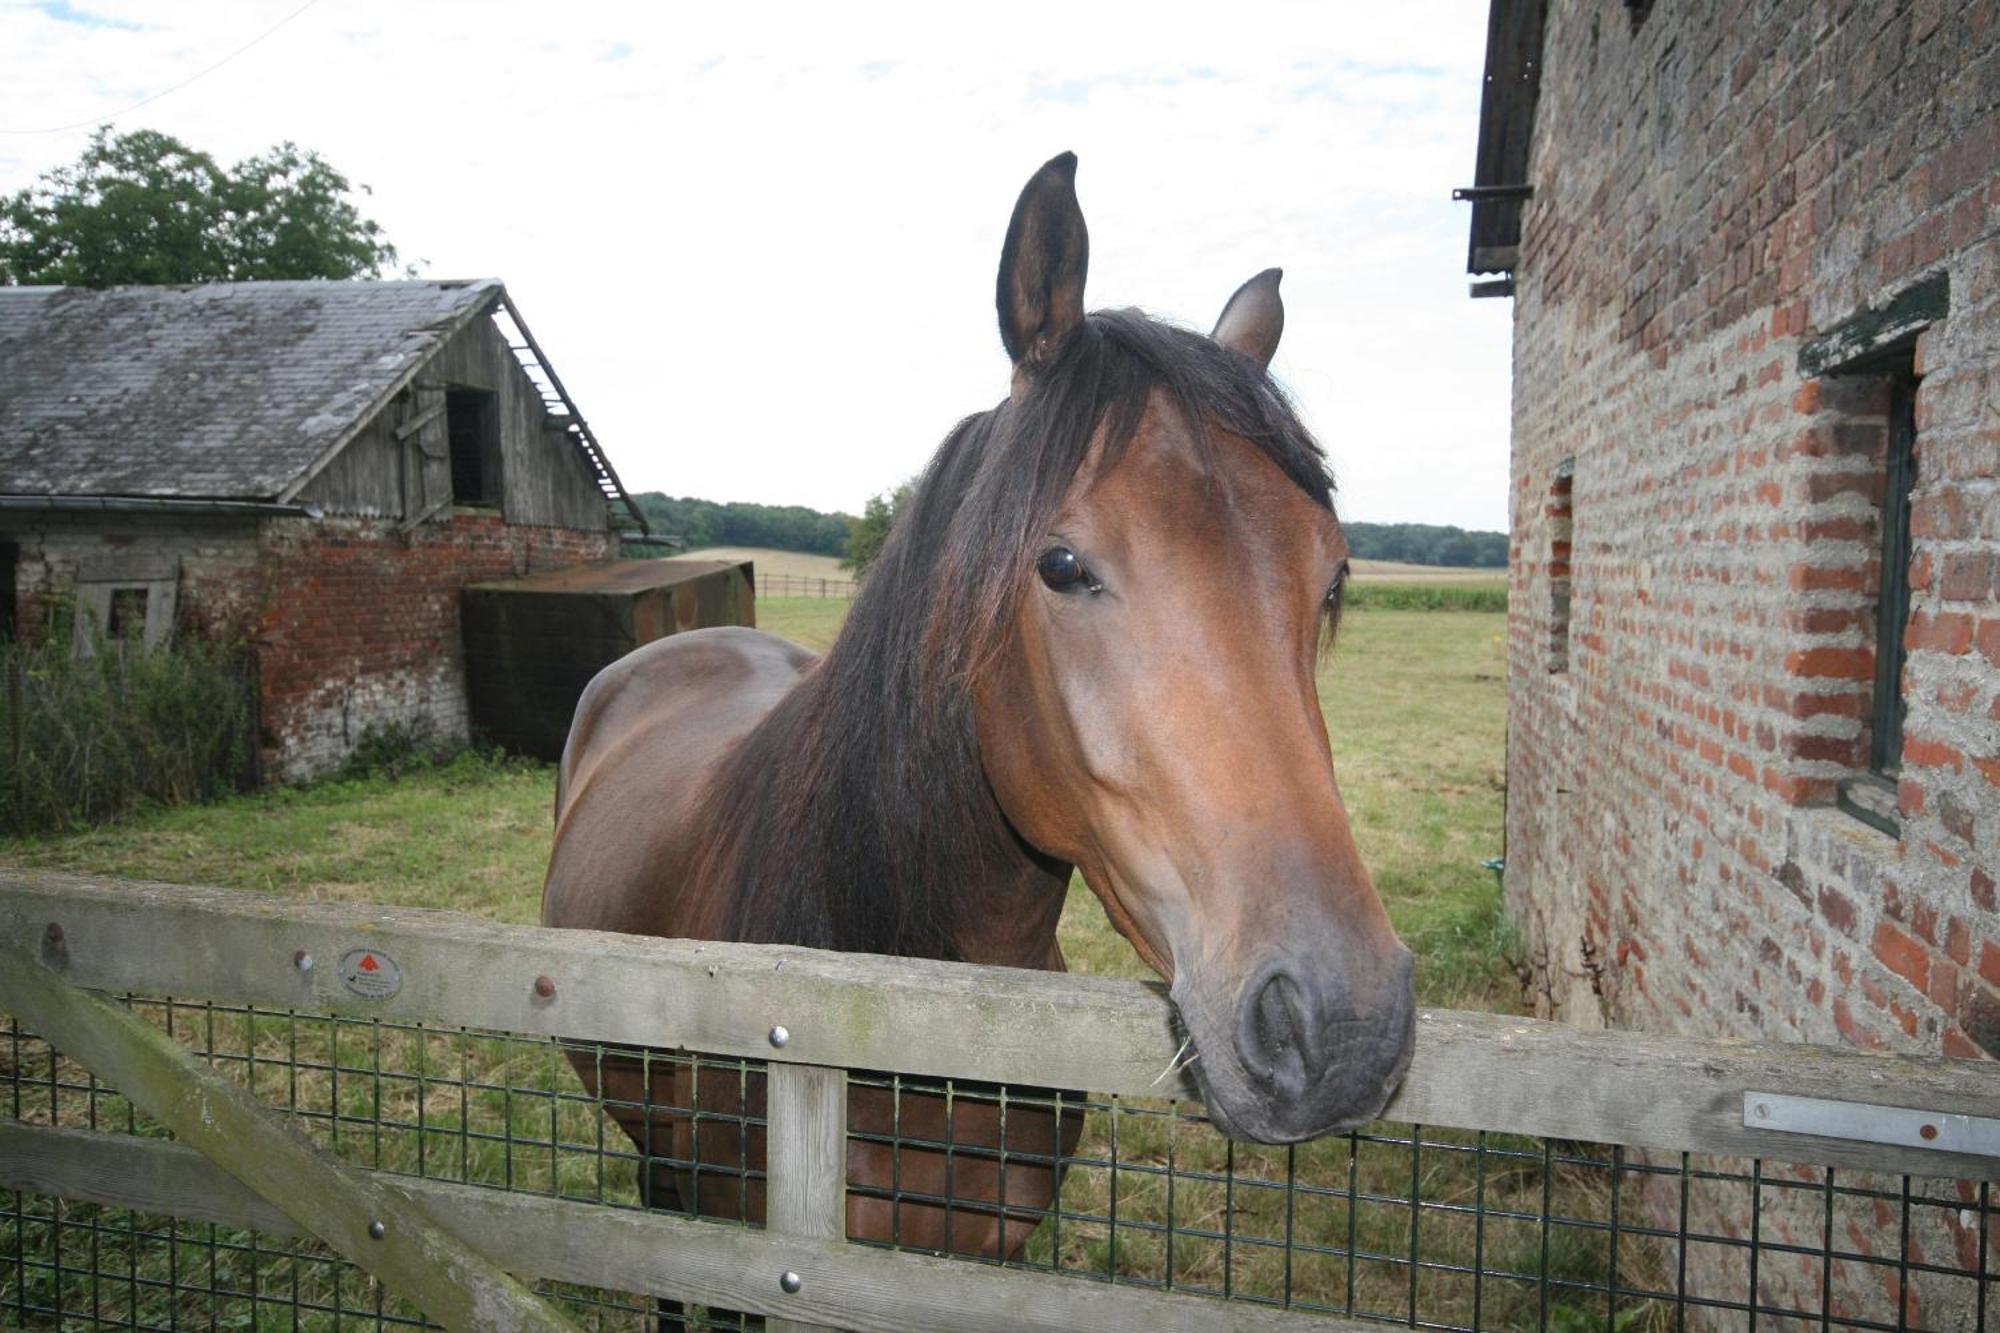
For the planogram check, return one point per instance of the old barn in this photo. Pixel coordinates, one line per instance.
(1753, 779)
(315, 468)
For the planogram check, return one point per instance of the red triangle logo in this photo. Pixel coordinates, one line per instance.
(368, 963)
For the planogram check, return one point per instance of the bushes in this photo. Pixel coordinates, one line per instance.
(1364, 594)
(88, 739)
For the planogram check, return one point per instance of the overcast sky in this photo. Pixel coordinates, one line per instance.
(758, 241)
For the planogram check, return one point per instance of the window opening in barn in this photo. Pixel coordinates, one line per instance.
(1561, 534)
(10, 564)
(1871, 797)
(472, 421)
(126, 618)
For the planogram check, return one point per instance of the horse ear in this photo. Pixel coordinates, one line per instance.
(1042, 266)
(1254, 318)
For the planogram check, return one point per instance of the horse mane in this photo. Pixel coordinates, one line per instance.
(857, 815)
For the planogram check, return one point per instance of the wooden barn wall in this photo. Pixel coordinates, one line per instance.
(364, 480)
(543, 480)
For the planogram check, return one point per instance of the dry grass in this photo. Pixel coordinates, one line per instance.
(1398, 571)
(772, 561)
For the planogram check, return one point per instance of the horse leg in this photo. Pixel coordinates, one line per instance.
(986, 1193)
(637, 1089)
(699, 1154)
(659, 1193)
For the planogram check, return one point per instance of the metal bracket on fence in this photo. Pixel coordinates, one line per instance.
(1900, 1126)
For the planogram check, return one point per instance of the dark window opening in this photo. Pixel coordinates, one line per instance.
(126, 619)
(1562, 531)
(10, 563)
(1871, 797)
(472, 421)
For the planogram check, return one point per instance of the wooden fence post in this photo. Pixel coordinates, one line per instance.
(805, 1187)
(381, 1229)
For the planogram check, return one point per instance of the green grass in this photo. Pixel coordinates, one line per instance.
(1415, 702)
(812, 621)
(1364, 594)
(471, 835)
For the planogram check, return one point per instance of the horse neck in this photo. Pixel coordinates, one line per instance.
(848, 851)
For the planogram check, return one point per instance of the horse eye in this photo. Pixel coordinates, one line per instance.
(1339, 585)
(1061, 569)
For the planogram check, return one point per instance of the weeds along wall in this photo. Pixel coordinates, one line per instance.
(86, 737)
(1750, 223)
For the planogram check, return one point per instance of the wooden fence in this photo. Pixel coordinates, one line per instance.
(804, 585)
(63, 936)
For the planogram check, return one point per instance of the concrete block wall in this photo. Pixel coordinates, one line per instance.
(1717, 183)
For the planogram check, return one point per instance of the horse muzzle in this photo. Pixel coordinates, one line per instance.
(1303, 1048)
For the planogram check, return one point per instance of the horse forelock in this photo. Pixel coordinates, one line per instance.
(858, 815)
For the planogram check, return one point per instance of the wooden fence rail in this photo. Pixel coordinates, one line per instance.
(1471, 1071)
(804, 585)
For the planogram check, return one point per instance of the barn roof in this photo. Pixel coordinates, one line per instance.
(228, 391)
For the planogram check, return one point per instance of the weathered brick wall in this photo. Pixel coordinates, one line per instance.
(1715, 186)
(360, 624)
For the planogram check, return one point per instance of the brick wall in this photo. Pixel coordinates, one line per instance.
(1715, 187)
(360, 624)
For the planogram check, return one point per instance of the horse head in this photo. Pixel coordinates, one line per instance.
(1145, 706)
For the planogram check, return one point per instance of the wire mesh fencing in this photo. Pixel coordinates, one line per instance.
(1397, 1224)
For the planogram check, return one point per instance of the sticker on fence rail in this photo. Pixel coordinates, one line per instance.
(370, 973)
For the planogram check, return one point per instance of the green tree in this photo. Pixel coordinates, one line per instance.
(146, 208)
(866, 534)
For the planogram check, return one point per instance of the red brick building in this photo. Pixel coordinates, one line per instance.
(317, 468)
(1754, 738)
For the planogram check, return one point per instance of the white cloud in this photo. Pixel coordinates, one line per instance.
(759, 241)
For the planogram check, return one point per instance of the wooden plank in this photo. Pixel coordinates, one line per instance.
(378, 1228)
(1471, 1071)
(419, 421)
(655, 1254)
(806, 1166)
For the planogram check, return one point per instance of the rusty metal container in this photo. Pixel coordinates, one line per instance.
(533, 643)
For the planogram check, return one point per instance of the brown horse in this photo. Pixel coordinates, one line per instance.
(1089, 642)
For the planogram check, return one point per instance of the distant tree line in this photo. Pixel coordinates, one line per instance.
(796, 528)
(1426, 544)
(740, 523)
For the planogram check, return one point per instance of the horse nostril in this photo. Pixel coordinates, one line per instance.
(1278, 1039)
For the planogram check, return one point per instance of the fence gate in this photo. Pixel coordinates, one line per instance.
(222, 1111)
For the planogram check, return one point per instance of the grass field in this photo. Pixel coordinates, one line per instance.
(1415, 702)
(1416, 707)
(771, 561)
